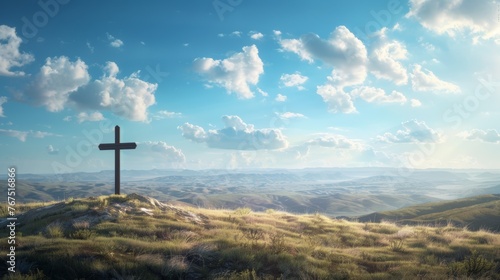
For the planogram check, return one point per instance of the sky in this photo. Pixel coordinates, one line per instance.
(240, 84)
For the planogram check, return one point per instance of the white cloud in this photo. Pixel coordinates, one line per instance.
(67, 118)
(342, 50)
(425, 80)
(415, 103)
(290, 115)
(91, 48)
(280, 98)
(334, 141)
(114, 42)
(236, 135)
(235, 33)
(62, 83)
(263, 93)
(129, 97)
(413, 131)
(256, 35)
(3, 100)
(169, 153)
(478, 18)
(294, 80)
(164, 114)
(397, 27)
(276, 33)
(57, 79)
(235, 73)
(10, 56)
(337, 100)
(490, 135)
(21, 135)
(385, 60)
(377, 95)
(52, 151)
(86, 117)
(41, 134)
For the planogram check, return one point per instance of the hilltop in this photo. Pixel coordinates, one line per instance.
(332, 191)
(138, 237)
(479, 212)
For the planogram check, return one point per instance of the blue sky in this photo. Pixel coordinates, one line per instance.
(250, 84)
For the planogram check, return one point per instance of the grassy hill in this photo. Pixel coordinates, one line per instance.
(137, 237)
(479, 212)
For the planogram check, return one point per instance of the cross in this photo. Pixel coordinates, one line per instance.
(117, 146)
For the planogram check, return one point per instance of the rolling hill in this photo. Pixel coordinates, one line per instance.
(478, 212)
(138, 237)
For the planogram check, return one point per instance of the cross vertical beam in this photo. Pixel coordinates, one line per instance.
(117, 146)
(117, 160)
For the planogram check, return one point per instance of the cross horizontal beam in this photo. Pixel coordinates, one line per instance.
(119, 146)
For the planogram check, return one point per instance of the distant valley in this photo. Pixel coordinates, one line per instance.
(332, 191)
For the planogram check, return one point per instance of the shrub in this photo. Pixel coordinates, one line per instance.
(477, 265)
(474, 265)
(397, 245)
(54, 231)
(242, 211)
(277, 243)
(83, 234)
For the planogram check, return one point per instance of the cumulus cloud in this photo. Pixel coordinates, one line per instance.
(236, 135)
(415, 103)
(62, 83)
(52, 151)
(280, 98)
(333, 141)
(293, 80)
(129, 97)
(477, 18)
(57, 79)
(342, 50)
(92, 117)
(169, 153)
(256, 35)
(490, 135)
(413, 131)
(378, 95)
(337, 100)
(385, 60)
(290, 115)
(10, 56)
(236, 73)
(114, 42)
(425, 80)
(3, 100)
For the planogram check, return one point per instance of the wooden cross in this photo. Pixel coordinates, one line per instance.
(117, 146)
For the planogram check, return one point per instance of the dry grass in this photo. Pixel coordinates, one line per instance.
(241, 244)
